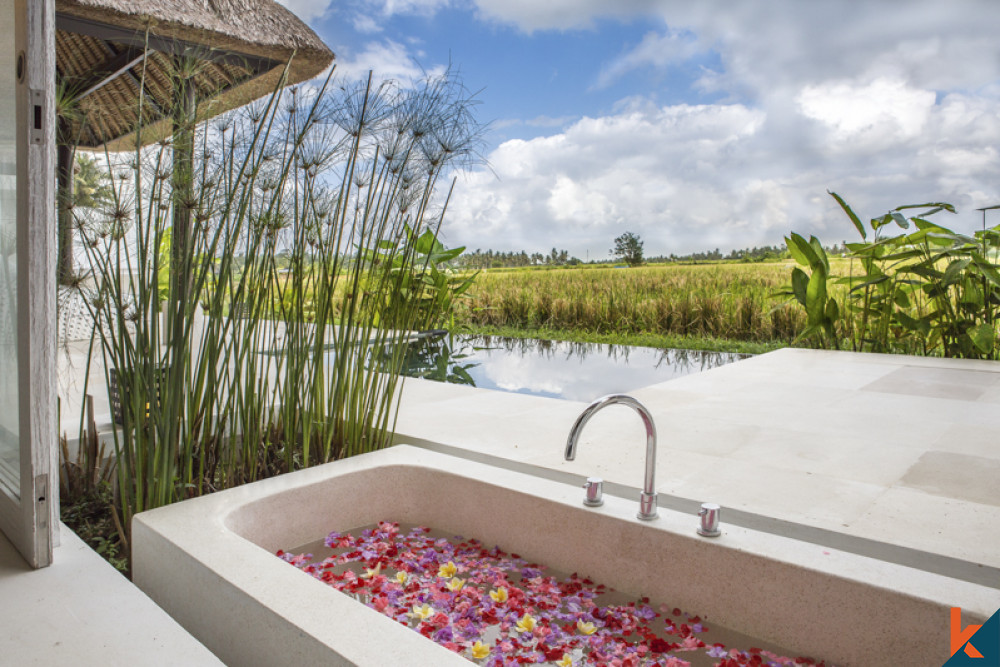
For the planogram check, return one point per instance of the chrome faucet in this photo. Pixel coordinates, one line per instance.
(647, 500)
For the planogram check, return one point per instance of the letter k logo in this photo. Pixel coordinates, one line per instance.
(960, 637)
(986, 650)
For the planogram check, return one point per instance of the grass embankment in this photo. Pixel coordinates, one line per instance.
(719, 306)
(662, 341)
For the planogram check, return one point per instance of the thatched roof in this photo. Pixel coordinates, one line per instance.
(243, 45)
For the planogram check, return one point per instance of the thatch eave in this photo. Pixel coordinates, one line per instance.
(256, 37)
(254, 27)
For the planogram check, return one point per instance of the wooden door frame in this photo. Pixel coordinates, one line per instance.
(31, 521)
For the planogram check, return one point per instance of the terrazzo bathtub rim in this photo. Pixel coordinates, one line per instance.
(210, 563)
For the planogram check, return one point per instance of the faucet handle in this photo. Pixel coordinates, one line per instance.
(595, 492)
(709, 514)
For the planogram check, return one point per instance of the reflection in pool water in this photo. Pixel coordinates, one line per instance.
(556, 369)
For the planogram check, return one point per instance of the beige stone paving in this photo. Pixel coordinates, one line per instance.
(858, 444)
(81, 611)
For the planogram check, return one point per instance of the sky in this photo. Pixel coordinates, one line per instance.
(697, 125)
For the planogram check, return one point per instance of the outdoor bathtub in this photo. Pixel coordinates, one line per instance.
(210, 562)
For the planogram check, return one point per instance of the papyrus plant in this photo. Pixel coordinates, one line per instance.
(245, 351)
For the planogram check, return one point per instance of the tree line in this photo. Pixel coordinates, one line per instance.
(627, 247)
(491, 259)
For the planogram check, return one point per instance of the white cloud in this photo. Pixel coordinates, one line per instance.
(532, 15)
(688, 178)
(654, 50)
(307, 10)
(387, 59)
(646, 172)
(884, 105)
(365, 24)
(882, 111)
(765, 44)
(418, 7)
(548, 121)
(365, 16)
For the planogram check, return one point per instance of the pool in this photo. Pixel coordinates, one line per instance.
(554, 369)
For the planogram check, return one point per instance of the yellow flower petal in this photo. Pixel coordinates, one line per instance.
(586, 628)
(566, 661)
(499, 595)
(526, 624)
(372, 573)
(422, 612)
(447, 570)
(401, 577)
(456, 584)
(480, 650)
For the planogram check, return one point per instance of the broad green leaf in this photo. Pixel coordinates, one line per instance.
(869, 283)
(988, 270)
(983, 337)
(817, 247)
(881, 222)
(905, 254)
(801, 251)
(808, 331)
(935, 290)
(832, 311)
(426, 243)
(900, 220)
(464, 376)
(905, 320)
(944, 236)
(937, 206)
(953, 273)
(878, 250)
(816, 297)
(924, 224)
(446, 255)
(799, 282)
(850, 214)
(972, 298)
(922, 270)
(911, 324)
(938, 256)
(940, 238)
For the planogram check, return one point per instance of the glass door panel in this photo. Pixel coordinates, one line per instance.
(10, 460)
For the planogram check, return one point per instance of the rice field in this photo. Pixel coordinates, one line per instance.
(719, 300)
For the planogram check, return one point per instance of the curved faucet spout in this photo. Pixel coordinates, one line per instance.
(647, 501)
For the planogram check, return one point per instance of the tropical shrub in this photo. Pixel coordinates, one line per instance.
(927, 290)
(421, 274)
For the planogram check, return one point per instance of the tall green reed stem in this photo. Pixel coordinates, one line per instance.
(264, 221)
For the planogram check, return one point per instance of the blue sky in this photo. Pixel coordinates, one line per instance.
(697, 124)
(528, 83)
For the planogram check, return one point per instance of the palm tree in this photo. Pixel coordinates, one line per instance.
(91, 183)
